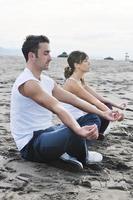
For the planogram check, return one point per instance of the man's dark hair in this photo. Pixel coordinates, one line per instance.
(31, 44)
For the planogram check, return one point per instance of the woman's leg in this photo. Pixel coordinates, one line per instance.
(104, 122)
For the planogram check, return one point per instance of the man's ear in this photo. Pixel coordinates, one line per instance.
(31, 55)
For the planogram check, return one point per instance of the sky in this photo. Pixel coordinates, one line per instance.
(101, 28)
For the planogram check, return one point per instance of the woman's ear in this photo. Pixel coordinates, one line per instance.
(76, 66)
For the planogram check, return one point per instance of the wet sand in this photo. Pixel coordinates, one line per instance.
(110, 180)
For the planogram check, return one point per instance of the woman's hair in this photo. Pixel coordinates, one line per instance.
(74, 57)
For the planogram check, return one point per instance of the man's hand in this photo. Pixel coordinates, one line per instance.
(89, 132)
(120, 117)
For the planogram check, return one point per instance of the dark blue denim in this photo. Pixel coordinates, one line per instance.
(49, 144)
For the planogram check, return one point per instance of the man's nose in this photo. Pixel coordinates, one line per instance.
(50, 58)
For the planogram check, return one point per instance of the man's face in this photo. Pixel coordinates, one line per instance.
(43, 57)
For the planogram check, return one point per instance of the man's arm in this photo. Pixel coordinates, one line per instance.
(31, 89)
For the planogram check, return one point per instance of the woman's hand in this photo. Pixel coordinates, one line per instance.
(122, 106)
(120, 117)
(113, 115)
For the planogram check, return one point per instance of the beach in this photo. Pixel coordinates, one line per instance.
(110, 180)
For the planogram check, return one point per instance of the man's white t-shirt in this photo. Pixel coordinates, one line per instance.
(26, 115)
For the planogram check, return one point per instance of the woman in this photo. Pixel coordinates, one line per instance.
(79, 65)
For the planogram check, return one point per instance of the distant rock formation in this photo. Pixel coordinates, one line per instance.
(109, 58)
(63, 55)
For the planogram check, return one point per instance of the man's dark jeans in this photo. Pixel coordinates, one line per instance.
(49, 144)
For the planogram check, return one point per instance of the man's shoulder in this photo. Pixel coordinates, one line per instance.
(19, 76)
(47, 81)
(46, 77)
(24, 76)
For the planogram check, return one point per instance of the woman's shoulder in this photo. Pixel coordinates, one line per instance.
(73, 80)
(72, 84)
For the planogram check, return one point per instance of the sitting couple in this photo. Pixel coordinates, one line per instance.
(84, 114)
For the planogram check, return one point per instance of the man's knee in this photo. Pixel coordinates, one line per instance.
(96, 120)
(90, 119)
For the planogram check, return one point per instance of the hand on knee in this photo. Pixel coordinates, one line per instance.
(93, 132)
(89, 132)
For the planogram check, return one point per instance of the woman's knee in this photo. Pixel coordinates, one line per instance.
(109, 105)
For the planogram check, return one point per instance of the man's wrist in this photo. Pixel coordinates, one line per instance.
(101, 113)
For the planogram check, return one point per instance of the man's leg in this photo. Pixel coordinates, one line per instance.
(89, 119)
(50, 144)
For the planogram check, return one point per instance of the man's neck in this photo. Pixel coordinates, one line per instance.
(34, 71)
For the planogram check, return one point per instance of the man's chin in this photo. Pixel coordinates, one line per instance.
(88, 70)
(46, 67)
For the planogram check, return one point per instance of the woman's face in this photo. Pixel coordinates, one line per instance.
(84, 66)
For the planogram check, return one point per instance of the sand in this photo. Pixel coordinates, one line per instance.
(110, 180)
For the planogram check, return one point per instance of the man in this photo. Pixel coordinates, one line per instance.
(34, 98)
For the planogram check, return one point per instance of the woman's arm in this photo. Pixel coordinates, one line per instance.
(102, 99)
(67, 97)
(80, 91)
